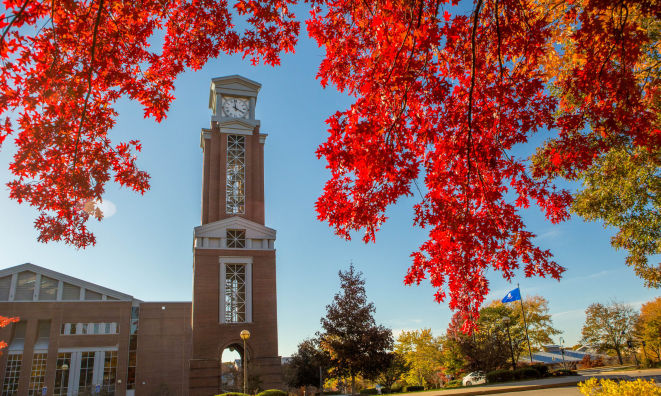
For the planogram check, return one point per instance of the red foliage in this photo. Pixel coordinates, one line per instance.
(4, 322)
(64, 65)
(441, 99)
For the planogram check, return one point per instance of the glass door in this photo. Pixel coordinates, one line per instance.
(89, 369)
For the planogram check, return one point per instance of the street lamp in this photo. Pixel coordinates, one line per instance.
(245, 334)
(507, 321)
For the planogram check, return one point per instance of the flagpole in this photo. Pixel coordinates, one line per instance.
(524, 321)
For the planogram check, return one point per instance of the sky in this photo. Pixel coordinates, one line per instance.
(144, 245)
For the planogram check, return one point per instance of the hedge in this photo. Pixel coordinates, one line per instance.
(272, 392)
(541, 368)
(368, 391)
(329, 393)
(564, 372)
(526, 373)
(501, 376)
(415, 388)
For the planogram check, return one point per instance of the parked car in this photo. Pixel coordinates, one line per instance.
(475, 378)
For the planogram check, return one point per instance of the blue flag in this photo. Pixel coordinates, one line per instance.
(514, 295)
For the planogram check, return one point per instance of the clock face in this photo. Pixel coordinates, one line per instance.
(237, 108)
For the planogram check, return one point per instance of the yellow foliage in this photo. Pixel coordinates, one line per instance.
(639, 387)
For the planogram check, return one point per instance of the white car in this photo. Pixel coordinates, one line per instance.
(475, 378)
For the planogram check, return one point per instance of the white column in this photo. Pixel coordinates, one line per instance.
(221, 294)
(60, 288)
(82, 294)
(205, 242)
(249, 293)
(271, 244)
(248, 243)
(265, 243)
(253, 102)
(12, 288)
(223, 243)
(37, 287)
(219, 105)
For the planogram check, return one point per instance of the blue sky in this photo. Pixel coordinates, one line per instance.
(144, 248)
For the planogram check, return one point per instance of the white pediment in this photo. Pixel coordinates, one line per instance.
(218, 229)
(113, 294)
(232, 86)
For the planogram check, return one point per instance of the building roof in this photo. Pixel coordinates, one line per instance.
(65, 278)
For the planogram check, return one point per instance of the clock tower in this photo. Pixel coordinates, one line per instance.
(234, 273)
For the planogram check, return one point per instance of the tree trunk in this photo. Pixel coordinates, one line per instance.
(619, 355)
(353, 384)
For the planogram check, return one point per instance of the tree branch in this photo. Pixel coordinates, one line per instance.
(89, 83)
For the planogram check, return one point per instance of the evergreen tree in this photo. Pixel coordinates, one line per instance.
(355, 344)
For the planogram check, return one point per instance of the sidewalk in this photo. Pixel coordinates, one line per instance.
(544, 383)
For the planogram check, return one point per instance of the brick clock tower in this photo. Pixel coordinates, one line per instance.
(234, 277)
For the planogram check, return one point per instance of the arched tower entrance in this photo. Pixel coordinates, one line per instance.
(234, 276)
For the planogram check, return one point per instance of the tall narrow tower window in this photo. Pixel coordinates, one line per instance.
(235, 293)
(236, 173)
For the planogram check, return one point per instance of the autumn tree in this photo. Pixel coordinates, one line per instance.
(454, 360)
(538, 318)
(441, 102)
(648, 327)
(609, 325)
(488, 347)
(423, 352)
(305, 364)
(617, 161)
(356, 345)
(397, 368)
(5, 322)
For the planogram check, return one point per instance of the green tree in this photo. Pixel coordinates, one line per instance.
(454, 361)
(609, 325)
(396, 370)
(538, 318)
(423, 352)
(305, 363)
(488, 348)
(355, 344)
(623, 190)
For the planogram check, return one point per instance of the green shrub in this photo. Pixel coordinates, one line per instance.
(234, 394)
(542, 369)
(526, 373)
(414, 388)
(272, 392)
(453, 384)
(501, 376)
(397, 389)
(562, 372)
(329, 393)
(368, 391)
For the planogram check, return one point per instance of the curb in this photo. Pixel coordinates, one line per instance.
(522, 388)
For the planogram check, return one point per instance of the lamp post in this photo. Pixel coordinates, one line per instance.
(245, 334)
(507, 320)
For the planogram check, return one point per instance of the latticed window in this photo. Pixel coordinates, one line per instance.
(235, 293)
(110, 372)
(62, 374)
(86, 373)
(13, 371)
(37, 374)
(236, 239)
(236, 166)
